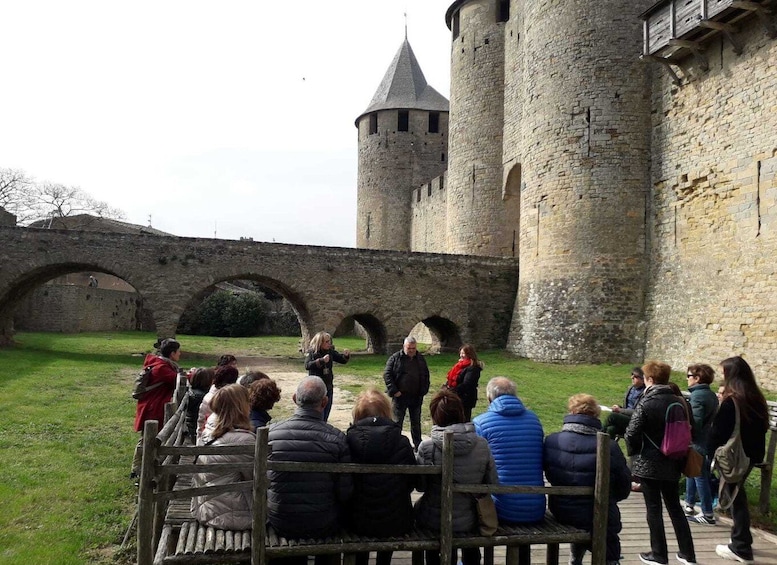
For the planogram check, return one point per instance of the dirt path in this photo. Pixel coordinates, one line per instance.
(288, 373)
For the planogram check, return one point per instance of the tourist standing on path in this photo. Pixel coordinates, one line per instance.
(151, 406)
(740, 389)
(658, 474)
(319, 361)
(463, 379)
(704, 405)
(407, 382)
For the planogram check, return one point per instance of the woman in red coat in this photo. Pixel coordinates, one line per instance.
(151, 405)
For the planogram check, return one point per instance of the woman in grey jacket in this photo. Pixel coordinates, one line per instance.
(472, 463)
(228, 510)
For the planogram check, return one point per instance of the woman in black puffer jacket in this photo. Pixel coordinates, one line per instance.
(658, 474)
(380, 505)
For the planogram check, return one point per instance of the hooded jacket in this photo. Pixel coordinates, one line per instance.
(152, 404)
(515, 437)
(307, 505)
(472, 464)
(646, 432)
(380, 505)
(704, 406)
(228, 510)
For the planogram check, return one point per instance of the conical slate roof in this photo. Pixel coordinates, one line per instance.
(404, 86)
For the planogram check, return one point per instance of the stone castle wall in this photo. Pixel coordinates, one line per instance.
(585, 148)
(714, 210)
(476, 215)
(74, 309)
(429, 224)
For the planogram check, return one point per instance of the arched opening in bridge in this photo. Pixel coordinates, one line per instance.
(73, 298)
(439, 334)
(245, 306)
(366, 326)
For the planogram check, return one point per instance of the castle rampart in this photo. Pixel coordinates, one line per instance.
(429, 225)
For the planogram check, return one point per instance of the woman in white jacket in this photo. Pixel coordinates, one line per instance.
(229, 510)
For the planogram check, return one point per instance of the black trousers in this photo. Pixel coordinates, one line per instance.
(741, 538)
(654, 490)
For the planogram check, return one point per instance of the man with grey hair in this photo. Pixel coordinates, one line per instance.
(407, 381)
(307, 505)
(515, 437)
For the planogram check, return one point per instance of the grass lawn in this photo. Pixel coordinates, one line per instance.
(66, 436)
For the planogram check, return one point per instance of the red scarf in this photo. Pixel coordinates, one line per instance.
(453, 374)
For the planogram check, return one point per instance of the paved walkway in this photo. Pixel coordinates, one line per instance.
(635, 539)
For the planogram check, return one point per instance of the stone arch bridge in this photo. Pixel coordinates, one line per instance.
(460, 298)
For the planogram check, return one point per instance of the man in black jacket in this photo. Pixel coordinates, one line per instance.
(307, 505)
(407, 382)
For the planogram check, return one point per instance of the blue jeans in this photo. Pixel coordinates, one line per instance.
(700, 485)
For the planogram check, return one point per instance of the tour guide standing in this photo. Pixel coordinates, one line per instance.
(407, 381)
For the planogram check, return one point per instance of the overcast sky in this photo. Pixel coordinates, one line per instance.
(232, 117)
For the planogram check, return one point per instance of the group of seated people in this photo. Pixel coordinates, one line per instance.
(505, 445)
(204, 382)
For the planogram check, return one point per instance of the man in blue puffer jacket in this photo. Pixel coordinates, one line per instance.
(515, 436)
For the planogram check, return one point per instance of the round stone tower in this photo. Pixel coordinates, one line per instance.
(585, 128)
(478, 217)
(403, 143)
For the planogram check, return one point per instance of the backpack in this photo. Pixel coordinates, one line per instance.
(141, 383)
(730, 459)
(677, 431)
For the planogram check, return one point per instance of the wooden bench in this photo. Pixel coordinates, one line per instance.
(168, 534)
(767, 466)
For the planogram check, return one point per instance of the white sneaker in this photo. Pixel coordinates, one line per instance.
(688, 509)
(726, 552)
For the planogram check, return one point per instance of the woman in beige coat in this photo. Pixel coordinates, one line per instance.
(228, 510)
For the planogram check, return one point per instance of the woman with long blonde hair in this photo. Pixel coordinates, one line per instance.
(319, 360)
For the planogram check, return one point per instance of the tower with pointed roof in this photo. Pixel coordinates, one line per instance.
(403, 142)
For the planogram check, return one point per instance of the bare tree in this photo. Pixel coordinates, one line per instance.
(14, 185)
(31, 201)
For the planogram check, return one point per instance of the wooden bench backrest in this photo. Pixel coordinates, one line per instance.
(163, 456)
